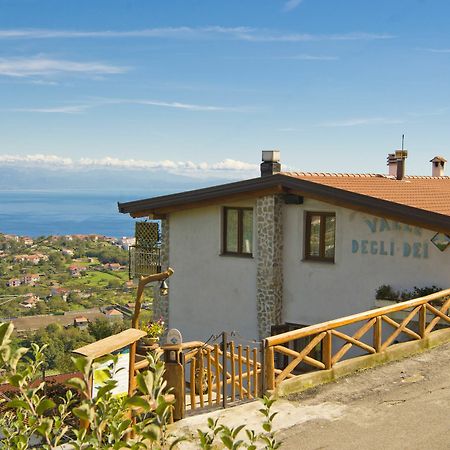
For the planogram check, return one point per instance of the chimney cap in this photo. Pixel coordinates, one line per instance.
(438, 159)
(271, 156)
(401, 154)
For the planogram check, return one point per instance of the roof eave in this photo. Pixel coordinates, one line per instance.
(159, 206)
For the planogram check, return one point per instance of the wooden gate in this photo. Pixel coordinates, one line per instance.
(203, 375)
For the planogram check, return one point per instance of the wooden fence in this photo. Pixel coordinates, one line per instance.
(418, 319)
(203, 375)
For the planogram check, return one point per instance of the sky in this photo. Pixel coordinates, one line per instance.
(201, 87)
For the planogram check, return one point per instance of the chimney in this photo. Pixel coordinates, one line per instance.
(270, 162)
(392, 164)
(400, 156)
(437, 166)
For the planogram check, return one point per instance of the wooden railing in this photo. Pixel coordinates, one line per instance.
(240, 376)
(212, 378)
(429, 310)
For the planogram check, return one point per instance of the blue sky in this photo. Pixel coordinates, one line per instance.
(203, 86)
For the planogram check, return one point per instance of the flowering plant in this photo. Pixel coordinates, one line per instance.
(154, 328)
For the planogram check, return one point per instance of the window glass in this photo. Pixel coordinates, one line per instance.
(247, 230)
(330, 226)
(231, 230)
(320, 236)
(314, 237)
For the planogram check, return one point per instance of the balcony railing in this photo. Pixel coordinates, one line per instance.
(144, 261)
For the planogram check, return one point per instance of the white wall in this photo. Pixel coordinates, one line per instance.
(318, 291)
(209, 293)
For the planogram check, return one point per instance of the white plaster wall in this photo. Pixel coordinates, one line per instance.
(209, 293)
(318, 291)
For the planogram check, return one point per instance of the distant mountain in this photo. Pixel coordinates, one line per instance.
(41, 178)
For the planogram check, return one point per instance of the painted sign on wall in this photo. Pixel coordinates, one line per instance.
(391, 247)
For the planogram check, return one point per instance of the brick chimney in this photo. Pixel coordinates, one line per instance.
(437, 166)
(392, 164)
(400, 156)
(270, 162)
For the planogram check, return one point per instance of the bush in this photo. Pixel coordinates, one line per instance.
(33, 417)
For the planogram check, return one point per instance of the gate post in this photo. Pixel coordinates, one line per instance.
(269, 367)
(174, 375)
(224, 370)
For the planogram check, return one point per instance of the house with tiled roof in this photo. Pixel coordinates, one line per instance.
(30, 278)
(296, 248)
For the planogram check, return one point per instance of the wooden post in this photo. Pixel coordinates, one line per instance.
(143, 281)
(217, 370)
(255, 372)
(174, 375)
(423, 320)
(224, 369)
(131, 374)
(327, 350)
(233, 373)
(270, 368)
(377, 334)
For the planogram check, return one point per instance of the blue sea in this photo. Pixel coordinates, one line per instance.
(38, 213)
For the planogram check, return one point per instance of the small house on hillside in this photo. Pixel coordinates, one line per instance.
(30, 301)
(75, 271)
(13, 282)
(297, 248)
(81, 322)
(113, 313)
(30, 278)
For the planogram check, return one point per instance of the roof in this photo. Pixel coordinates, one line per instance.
(417, 200)
(113, 312)
(81, 319)
(427, 193)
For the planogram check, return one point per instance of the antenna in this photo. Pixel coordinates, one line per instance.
(403, 142)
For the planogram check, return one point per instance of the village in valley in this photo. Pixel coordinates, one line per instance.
(74, 286)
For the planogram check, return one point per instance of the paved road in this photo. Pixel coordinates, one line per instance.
(403, 405)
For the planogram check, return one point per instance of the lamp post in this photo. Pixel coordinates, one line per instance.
(143, 281)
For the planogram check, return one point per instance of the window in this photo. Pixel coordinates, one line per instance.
(237, 231)
(320, 230)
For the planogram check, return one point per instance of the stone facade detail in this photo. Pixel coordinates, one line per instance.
(161, 304)
(269, 280)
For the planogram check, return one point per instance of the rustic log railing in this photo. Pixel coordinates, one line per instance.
(214, 377)
(336, 343)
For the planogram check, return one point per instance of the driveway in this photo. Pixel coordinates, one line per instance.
(401, 405)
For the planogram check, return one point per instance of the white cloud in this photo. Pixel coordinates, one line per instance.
(168, 32)
(291, 4)
(357, 121)
(41, 66)
(227, 167)
(307, 57)
(437, 50)
(76, 109)
(37, 159)
(308, 37)
(211, 32)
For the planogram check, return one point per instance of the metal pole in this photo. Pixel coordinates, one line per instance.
(224, 370)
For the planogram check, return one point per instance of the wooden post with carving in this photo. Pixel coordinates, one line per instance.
(174, 375)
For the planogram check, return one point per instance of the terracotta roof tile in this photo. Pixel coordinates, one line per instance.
(426, 193)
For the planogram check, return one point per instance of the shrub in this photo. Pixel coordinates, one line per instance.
(47, 417)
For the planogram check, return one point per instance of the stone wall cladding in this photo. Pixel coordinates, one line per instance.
(161, 304)
(269, 281)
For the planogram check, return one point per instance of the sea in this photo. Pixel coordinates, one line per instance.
(42, 213)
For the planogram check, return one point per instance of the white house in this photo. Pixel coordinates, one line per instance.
(297, 248)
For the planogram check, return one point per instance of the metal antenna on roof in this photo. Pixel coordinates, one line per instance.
(403, 142)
